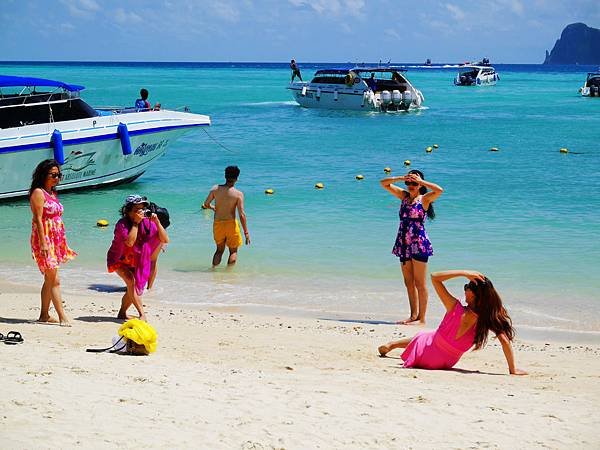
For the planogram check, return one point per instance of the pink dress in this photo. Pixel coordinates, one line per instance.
(137, 258)
(54, 232)
(440, 349)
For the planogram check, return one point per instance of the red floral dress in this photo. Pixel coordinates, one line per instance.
(54, 233)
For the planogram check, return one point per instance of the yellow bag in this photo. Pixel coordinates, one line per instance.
(140, 332)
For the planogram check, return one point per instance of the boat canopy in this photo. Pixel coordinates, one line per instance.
(379, 69)
(335, 71)
(7, 80)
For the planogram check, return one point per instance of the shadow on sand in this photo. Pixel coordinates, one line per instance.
(96, 319)
(107, 288)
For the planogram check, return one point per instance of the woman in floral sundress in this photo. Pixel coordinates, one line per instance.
(412, 244)
(48, 241)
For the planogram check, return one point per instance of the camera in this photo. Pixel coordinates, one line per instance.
(148, 213)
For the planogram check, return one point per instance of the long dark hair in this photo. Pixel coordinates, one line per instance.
(423, 190)
(39, 175)
(491, 315)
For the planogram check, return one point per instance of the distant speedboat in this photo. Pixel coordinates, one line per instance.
(476, 75)
(591, 87)
(354, 88)
(95, 147)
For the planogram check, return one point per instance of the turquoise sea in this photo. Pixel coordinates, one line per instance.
(527, 215)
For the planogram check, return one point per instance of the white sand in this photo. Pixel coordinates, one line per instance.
(221, 379)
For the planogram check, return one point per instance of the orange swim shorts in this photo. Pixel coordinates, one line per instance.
(227, 231)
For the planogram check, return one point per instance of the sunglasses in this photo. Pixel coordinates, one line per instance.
(56, 175)
(411, 183)
(474, 286)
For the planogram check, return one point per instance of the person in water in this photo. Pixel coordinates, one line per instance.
(136, 238)
(412, 244)
(226, 228)
(48, 239)
(462, 326)
(295, 70)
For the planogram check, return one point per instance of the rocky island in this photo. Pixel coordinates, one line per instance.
(578, 44)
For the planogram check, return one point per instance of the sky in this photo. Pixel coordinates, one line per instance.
(506, 31)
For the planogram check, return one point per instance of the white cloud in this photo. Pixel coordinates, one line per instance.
(392, 33)
(124, 17)
(225, 11)
(456, 12)
(81, 8)
(332, 7)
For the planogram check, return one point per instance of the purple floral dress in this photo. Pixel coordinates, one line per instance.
(412, 238)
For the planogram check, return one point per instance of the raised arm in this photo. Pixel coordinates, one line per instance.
(438, 278)
(509, 355)
(396, 191)
(242, 214)
(434, 190)
(163, 236)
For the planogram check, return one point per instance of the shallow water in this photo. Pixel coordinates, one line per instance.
(527, 216)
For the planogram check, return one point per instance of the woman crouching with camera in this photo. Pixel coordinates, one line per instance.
(137, 235)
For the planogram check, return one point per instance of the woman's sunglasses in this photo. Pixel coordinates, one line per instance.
(56, 175)
(411, 183)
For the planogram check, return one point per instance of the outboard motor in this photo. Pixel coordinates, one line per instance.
(462, 80)
(386, 97)
(396, 97)
(594, 91)
(407, 98)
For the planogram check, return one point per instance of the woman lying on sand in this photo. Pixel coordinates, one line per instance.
(461, 328)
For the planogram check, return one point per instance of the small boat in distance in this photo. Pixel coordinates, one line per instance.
(41, 119)
(591, 87)
(480, 74)
(377, 88)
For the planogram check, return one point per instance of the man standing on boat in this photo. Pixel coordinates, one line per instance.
(295, 70)
(226, 228)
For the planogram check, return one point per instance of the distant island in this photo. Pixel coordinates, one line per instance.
(578, 44)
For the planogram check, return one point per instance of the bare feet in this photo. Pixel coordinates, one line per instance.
(65, 322)
(383, 350)
(410, 320)
(124, 316)
(47, 319)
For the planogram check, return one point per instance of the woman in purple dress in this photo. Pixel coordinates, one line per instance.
(412, 244)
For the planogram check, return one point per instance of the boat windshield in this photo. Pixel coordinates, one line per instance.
(593, 79)
(333, 77)
(18, 108)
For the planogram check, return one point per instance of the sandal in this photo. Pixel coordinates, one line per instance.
(12, 338)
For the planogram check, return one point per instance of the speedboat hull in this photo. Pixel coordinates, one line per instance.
(92, 149)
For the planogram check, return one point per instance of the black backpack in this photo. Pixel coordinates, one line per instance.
(162, 213)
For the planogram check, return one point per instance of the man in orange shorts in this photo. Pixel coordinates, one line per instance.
(226, 228)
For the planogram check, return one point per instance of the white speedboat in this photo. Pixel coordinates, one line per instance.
(482, 75)
(42, 119)
(358, 88)
(591, 87)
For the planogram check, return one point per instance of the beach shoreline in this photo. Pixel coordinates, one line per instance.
(225, 378)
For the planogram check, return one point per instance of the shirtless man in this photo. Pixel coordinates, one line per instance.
(226, 229)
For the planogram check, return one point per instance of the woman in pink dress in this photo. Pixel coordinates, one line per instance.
(461, 328)
(412, 244)
(48, 241)
(137, 237)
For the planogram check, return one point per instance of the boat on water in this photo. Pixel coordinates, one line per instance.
(358, 88)
(481, 74)
(41, 119)
(591, 87)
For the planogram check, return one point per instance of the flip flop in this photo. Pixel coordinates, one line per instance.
(13, 337)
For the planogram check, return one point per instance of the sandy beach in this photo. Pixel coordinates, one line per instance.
(226, 379)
